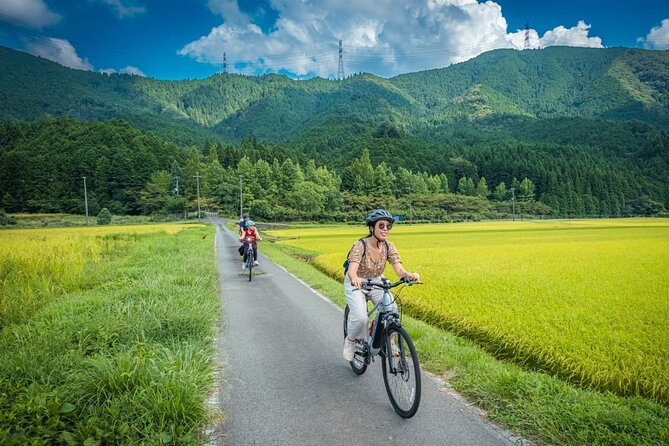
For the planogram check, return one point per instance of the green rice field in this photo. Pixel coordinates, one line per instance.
(587, 300)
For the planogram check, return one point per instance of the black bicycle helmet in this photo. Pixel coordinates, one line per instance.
(378, 214)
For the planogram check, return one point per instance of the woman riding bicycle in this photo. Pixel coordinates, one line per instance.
(367, 260)
(250, 236)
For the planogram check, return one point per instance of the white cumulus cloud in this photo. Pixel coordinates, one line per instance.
(32, 13)
(124, 10)
(229, 9)
(125, 70)
(132, 70)
(385, 37)
(60, 51)
(575, 36)
(658, 37)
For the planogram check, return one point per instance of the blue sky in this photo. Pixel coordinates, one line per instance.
(185, 39)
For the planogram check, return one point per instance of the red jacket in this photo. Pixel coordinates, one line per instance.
(250, 232)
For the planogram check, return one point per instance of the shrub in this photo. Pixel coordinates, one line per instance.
(6, 220)
(104, 217)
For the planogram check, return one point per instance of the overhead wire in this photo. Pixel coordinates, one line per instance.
(441, 53)
(291, 60)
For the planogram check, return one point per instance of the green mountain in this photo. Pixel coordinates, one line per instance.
(615, 83)
(610, 84)
(588, 127)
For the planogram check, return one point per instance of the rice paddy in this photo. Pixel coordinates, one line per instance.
(587, 300)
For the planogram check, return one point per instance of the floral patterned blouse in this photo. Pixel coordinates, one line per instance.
(369, 268)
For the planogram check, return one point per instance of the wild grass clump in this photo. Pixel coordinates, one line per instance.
(33, 221)
(125, 359)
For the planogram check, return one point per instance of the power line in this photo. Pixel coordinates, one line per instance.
(435, 55)
(360, 53)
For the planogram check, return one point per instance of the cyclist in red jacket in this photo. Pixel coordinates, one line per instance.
(250, 236)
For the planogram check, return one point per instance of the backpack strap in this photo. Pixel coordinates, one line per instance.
(364, 251)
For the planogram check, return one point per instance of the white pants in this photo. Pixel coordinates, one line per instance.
(357, 304)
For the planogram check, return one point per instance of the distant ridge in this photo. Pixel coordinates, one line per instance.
(556, 82)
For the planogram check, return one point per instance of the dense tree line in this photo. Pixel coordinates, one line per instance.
(42, 165)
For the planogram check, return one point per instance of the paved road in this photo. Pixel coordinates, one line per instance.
(285, 382)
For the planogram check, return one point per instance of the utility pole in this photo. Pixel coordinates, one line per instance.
(86, 200)
(240, 198)
(340, 69)
(513, 202)
(225, 62)
(176, 190)
(527, 35)
(197, 178)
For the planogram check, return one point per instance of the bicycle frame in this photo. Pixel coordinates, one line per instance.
(384, 317)
(386, 337)
(251, 250)
(251, 247)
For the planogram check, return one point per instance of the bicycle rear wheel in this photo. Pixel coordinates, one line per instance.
(401, 372)
(358, 364)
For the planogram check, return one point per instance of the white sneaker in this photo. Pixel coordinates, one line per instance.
(349, 349)
(394, 348)
(255, 263)
(243, 266)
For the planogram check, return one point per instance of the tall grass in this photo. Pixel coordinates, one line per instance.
(32, 221)
(120, 350)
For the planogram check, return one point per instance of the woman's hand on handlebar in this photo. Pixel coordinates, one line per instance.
(413, 277)
(357, 282)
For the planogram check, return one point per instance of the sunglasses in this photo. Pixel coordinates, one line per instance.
(385, 225)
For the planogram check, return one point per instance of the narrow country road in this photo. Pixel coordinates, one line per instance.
(285, 382)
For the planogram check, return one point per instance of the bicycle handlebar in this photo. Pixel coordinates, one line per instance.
(387, 284)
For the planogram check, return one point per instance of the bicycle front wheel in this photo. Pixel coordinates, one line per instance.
(401, 372)
(249, 259)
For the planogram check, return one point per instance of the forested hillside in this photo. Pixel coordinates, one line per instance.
(615, 83)
(567, 131)
(42, 165)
